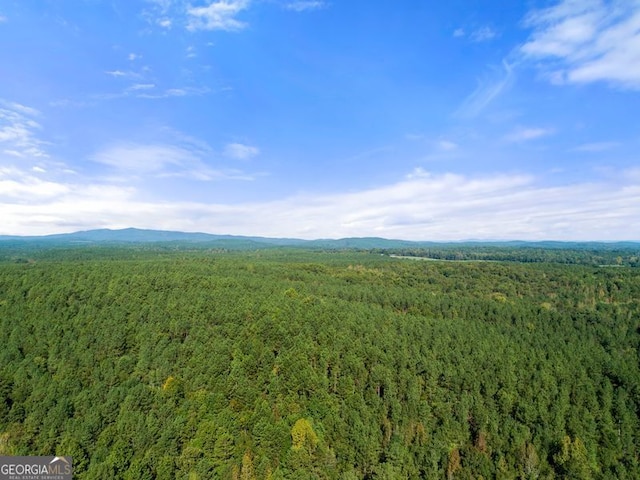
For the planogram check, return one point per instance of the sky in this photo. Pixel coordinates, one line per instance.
(404, 119)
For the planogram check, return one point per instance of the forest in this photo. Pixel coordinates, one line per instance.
(285, 363)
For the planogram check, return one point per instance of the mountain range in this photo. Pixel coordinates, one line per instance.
(143, 236)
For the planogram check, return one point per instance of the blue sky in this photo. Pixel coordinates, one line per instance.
(322, 119)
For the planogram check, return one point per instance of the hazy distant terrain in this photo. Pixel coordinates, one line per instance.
(593, 253)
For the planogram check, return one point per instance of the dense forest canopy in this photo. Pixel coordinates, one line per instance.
(156, 362)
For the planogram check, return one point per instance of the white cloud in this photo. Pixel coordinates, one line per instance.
(22, 109)
(423, 206)
(596, 147)
(146, 159)
(488, 89)
(213, 14)
(174, 92)
(134, 56)
(66, 102)
(301, 6)
(177, 92)
(240, 151)
(482, 34)
(18, 131)
(478, 35)
(523, 134)
(419, 172)
(141, 86)
(151, 92)
(22, 186)
(447, 145)
(123, 74)
(29, 205)
(184, 157)
(584, 41)
(218, 15)
(160, 12)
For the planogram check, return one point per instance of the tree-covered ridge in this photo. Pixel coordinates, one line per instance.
(125, 240)
(290, 364)
(614, 255)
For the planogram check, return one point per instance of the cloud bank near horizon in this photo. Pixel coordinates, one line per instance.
(421, 206)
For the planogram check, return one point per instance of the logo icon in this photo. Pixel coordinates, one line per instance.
(36, 468)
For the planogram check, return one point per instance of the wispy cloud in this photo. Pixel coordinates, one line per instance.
(488, 89)
(141, 86)
(157, 160)
(584, 41)
(18, 131)
(173, 92)
(144, 158)
(151, 91)
(240, 151)
(21, 109)
(478, 35)
(482, 34)
(3, 19)
(214, 14)
(218, 15)
(123, 74)
(446, 145)
(178, 156)
(438, 148)
(524, 134)
(423, 206)
(596, 147)
(162, 12)
(72, 103)
(302, 6)
(144, 88)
